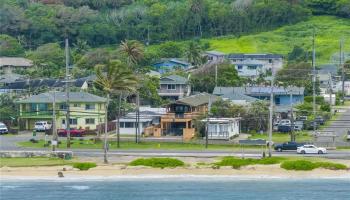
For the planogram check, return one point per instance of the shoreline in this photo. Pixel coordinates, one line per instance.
(120, 172)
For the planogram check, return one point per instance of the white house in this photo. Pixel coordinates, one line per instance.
(252, 65)
(222, 128)
(339, 87)
(214, 56)
(148, 117)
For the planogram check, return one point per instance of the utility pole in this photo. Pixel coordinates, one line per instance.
(106, 145)
(67, 93)
(216, 75)
(341, 62)
(292, 125)
(137, 124)
(330, 91)
(207, 127)
(54, 130)
(271, 112)
(314, 81)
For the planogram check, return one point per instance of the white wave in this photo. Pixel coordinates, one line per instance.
(79, 187)
(9, 186)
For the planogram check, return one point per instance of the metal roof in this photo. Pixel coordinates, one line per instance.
(15, 61)
(255, 56)
(173, 79)
(258, 90)
(60, 97)
(199, 99)
(215, 53)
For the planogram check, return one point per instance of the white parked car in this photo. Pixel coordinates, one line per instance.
(285, 122)
(3, 128)
(311, 149)
(42, 126)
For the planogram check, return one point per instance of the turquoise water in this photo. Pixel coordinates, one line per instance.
(177, 188)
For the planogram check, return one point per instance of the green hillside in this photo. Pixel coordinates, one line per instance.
(328, 29)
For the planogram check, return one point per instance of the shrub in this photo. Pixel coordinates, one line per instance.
(157, 162)
(333, 166)
(301, 165)
(304, 165)
(236, 163)
(84, 166)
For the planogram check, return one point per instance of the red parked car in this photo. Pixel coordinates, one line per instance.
(73, 132)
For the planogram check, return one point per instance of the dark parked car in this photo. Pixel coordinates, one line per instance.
(320, 120)
(284, 129)
(287, 146)
(73, 132)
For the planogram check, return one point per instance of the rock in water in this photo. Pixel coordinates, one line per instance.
(60, 175)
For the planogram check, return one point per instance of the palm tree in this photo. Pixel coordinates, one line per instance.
(194, 54)
(114, 78)
(133, 51)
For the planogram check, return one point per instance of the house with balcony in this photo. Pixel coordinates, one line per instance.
(86, 110)
(174, 87)
(252, 65)
(181, 115)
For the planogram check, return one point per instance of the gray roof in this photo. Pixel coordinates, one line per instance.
(199, 99)
(259, 90)
(173, 79)
(61, 97)
(215, 53)
(237, 96)
(255, 56)
(15, 61)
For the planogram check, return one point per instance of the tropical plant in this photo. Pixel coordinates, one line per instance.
(113, 78)
(133, 51)
(194, 53)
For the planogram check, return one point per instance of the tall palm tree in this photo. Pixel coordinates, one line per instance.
(133, 51)
(194, 54)
(114, 78)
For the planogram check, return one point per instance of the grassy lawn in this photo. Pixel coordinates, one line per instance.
(328, 30)
(283, 137)
(30, 162)
(88, 144)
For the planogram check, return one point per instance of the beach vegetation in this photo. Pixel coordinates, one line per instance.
(237, 163)
(305, 165)
(33, 162)
(158, 162)
(84, 165)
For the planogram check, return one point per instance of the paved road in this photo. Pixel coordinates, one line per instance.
(8, 143)
(340, 127)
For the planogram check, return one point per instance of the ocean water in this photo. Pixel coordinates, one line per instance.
(177, 189)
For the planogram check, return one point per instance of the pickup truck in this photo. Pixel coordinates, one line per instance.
(287, 146)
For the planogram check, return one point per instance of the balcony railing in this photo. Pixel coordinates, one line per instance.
(180, 115)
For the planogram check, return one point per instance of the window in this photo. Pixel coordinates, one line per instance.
(73, 121)
(90, 121)
(33, 107)
(76, 105)
(171, 87)
(121, 124)
(89, 106)
(129, 124)
(42, 106)
(239, 67)
(251, 67)
(63, 106)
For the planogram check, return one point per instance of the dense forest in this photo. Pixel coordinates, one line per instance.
(101, 22)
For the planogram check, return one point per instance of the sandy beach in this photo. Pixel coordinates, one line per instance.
(115, 171)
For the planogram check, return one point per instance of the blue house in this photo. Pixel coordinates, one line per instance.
(169, 65)
(282, 96)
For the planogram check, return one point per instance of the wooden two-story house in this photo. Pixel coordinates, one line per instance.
(174, 87)
(86, 110)
(180, 115)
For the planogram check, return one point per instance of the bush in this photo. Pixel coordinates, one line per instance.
(303, 165)
(157, 162)
(84, 166)
(236, 163)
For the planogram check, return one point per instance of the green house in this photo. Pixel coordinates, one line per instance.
(86, 110)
